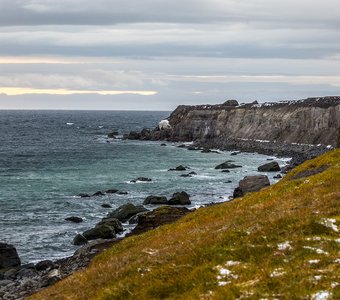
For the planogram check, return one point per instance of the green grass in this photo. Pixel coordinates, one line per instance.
(230, 250)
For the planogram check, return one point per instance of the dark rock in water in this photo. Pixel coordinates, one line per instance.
(100, 232)
(159, 216)
(193, 148)
(8, 256)
(229, 181)
(192, 173)
(227, 165)
(235, 153)
(112, 222)
(113, 134)
(45, 265)
(126, 211)
(74, 219)
(179, 168)
(106, 205)
(141, 179)
(185, 175)
(225, 171)
(163, 145)
(181, 198)
(111, 191)
(270, 159)
(269, 167)
(122, 193)
(205, 150)
(135, 218)
(155, 200)
(99, 193)
(84, 195)
(133, 135)
(278, 176)
(251, 184)
(79, 240)
(232, 103)
(181, 146)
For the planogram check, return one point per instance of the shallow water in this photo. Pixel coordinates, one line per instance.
(48, 157)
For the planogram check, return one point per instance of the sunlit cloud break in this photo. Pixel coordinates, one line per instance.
(13, 91)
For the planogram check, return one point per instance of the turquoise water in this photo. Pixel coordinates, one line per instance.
(48, 157)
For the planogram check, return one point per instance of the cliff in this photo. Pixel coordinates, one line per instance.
(273, 127)
(281, 242)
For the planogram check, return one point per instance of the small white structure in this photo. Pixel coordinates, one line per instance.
(164, 125)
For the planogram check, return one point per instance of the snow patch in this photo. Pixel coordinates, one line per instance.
(318, 251)
(330, 223)
(284, 246)
(277, 272)
(322, 295)
(314, 261)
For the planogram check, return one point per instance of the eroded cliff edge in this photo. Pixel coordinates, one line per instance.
(281, 127)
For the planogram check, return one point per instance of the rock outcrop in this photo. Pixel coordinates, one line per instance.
(282, 128)
(8, 256)
(251, 184)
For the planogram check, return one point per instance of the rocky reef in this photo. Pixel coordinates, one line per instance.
(283, 128)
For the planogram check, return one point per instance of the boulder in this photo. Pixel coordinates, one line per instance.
(112, 222)
(159, 216)
(231, 102)
(122, 193)
(181, 146)
(178, 168)
(126, 211)
(141, 179)
(251, 184)
(8, 256)
(133, 135)
(45, 265)
(106, 205)
(82, 195)
(278, 176)
(155, 200)
(79, 240)
(134, 219)
(225, 171)
(192, 173)
(227, 165)
(181, 198)
(269, 167)
(99, 193)
(163, 145)
(111, 191)
(74, 219)
(103, 231)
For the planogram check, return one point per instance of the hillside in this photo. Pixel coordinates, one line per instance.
(281, 242)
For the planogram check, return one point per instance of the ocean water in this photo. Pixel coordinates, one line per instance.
(48, 157)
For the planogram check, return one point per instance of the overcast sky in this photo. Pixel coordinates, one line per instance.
(157, 54)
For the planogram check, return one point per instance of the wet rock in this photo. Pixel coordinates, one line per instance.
(82, 195)
(251, 184)
(163, 145)
(74, 219)
(235, 153)
(155, 200)
(25, 273)
(126, 211)
(79, 240)
(159, 216)
(133, 135)
(8, 256)
(106, 205)
(181, 198)
(225, 171)
(194, 148)
(112, 222)
(269, 167)
(185, 175)
(141, 179)
(278, 176)
(192, 173)
(99, 193)
(179, 168)
(5, 282)
(134, 219)
(113, 134)
(181, 146)
(111, 191)
(45, 265)
(100, 232)
(122, 193)
(227, 165)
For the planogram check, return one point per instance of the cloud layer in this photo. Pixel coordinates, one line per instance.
(189, 51)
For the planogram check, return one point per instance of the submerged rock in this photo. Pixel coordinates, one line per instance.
(269, 167)
(155, 200)
(227, 165)
(181, 198)
(8, 256)
(106, 205)
(111, 191)
(99, 193)
(159, 216)
(82, 195)
(251, 184)
(179, 168)
(141, 179)
(74, 219)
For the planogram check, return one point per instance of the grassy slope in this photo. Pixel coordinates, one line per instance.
(195, 257)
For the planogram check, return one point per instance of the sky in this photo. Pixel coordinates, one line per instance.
(157, 54)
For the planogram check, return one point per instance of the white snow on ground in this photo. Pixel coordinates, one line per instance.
(225, 275)
(314, 261)
(322, 295)
(330, 223)
(284, 246)
(231, 263)
(277, 272)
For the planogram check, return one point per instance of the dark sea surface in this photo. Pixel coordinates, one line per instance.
(48, 157)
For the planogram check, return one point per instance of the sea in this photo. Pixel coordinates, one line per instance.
(48, 157)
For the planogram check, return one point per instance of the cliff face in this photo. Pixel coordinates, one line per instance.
(310, 121)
